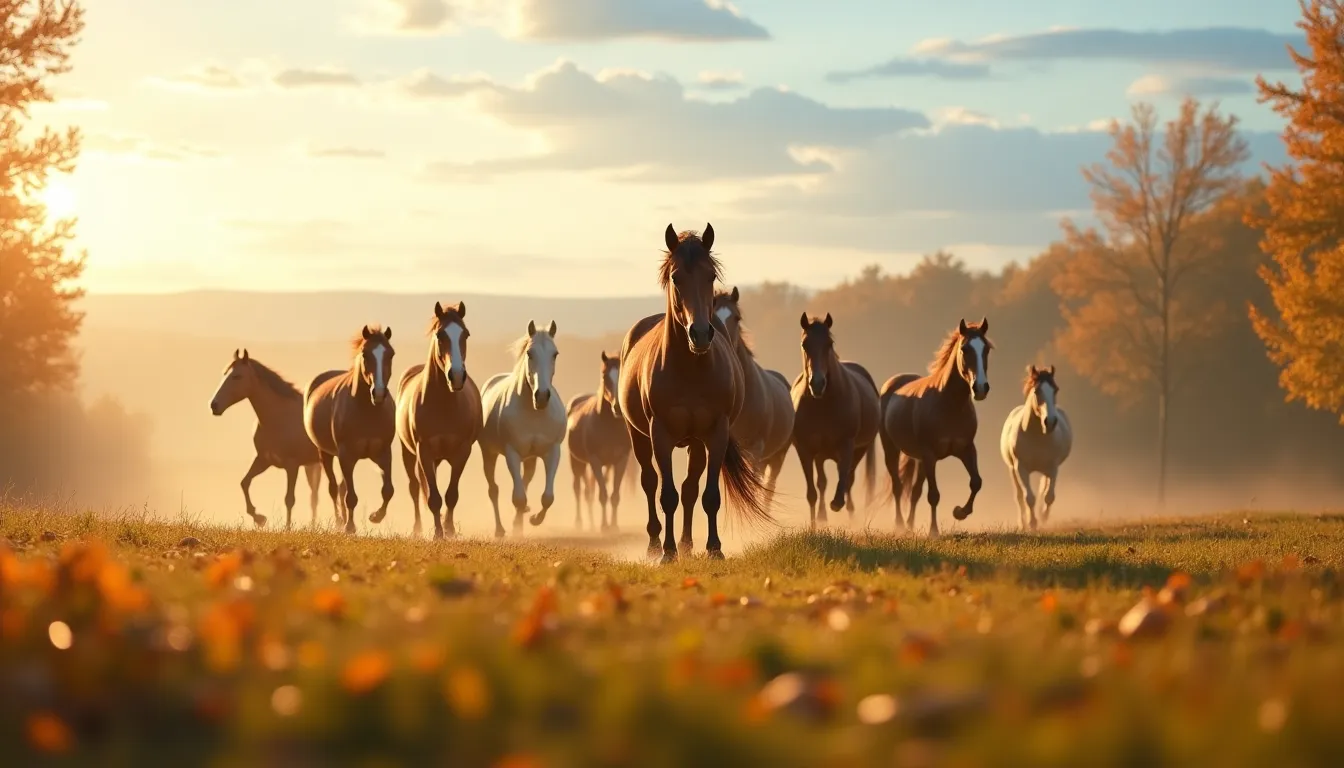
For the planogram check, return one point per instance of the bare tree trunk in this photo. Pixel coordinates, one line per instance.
(1163, 386)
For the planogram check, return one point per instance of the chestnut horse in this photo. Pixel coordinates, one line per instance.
(439, 417)
(764, 429)
(597, 439)
(279, 438)
(349, 417)
(1037, 437)
(681, 386)
(836, 414)
(927, 418)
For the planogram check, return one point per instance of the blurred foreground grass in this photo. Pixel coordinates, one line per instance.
(1196, 642)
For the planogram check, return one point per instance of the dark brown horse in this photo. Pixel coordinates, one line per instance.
(349, 417)
(764, 429)
(597, 438)
(681, 386)
(439, 417)
(279, 438)
(835, 419)
(927, 418)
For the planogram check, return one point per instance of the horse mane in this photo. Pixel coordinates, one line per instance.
(357, 341)
(945, 360)
(1036, 376)
(516, 347)
(274, 381)
(743, 333)
(692, 257)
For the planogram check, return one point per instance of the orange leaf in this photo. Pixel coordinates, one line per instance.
(48, 733)
(365, 672)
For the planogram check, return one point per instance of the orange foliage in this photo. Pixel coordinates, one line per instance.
(1304, 223)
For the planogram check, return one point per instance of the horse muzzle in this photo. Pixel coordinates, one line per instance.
(980, 392)
(378, 396)
(541, 399)
(1050, 424)
(816, 386)
(456, 380)
(701, 336)
(216, 409)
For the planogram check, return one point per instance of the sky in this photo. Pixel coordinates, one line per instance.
(541, 147)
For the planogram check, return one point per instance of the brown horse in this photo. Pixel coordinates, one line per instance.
(764, 429)
(681, 386)
(597, 439)
(279, 438)
(439, 416)
(349, 417)
(927, 418)
(836, 414)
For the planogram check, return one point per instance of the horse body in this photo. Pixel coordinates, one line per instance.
(279, 439)
(524, 419)
(439, 417)
(928, 418)
(1037, 437)
(597, 439)
(835, 419)
(764, 427)
(681, 386)
(349, 416)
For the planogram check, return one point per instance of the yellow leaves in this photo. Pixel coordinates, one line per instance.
(222, 629)
(365, 672)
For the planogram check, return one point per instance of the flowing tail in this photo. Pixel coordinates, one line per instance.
(745, 490)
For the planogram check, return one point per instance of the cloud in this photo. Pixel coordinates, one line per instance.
(73, 104)
(1221, 48)
(290, 79)
(720, 81)
(206, 78)
(424, 84)
(645, 127)
(907, 67)
(1174, 85)
(345, 153)
(421, 15)
(142, 148)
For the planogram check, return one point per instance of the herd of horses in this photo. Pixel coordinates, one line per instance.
(685, 378)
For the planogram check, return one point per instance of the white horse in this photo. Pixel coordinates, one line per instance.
(1037, 438)
(524, 420)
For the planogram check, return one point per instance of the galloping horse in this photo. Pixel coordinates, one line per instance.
(836, 419)
(349, 417)
(1037, 437)
(597, 439)
(926, 419)
(764, 429)
(279, 438)
(681, 386)
(439, 416)
(524, 418)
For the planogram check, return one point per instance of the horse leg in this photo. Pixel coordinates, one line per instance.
(927, 471)
(577, 469)
(515, 464)
(291, 480)
(713, 499)
(314, 473)
(414, 482)
(969, 460)
(259, 465)
(697, 459)
(844, 476)
(1019, 494)
(590, 494)
(1048, 492)
(552, 463)
(822, 484)
(347, 462)
(912, 475)
(488, 460)
(774, 465)
(458, 464)
(667, 495)
(617, 480)
(642, 447)
(859, 454)
(805, 459)
(603, 497)
(529, 471)
(892, 458)
(333, 487)
(428, 469)
(384, 462)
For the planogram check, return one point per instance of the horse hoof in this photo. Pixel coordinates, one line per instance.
(259, 521)
(837, 506)
(714, 554)
(669, 557)
(377, 517)
(961, 513)
(499, 533)
(538, 518)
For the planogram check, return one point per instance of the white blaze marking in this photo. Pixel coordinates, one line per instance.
(378, 383)
(977, 346)
(454, 335)
(724, 314)
(1048, 399)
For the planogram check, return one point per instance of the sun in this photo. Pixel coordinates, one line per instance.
(60, 199)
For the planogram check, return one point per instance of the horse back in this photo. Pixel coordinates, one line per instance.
(577, 402)
(638, 331)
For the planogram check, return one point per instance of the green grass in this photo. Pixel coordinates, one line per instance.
(813, 649)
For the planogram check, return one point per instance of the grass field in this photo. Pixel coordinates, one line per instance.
(129, 642)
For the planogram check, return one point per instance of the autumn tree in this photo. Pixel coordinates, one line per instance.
(1304, 222)
(38, 321)
(1129, 302)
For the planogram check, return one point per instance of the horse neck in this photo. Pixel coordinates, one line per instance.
(743, 354)
(955, 388)
(434, 373)
(1029, 417)
(522, 383)
(269, 406)
(357, 373)
(836, 373)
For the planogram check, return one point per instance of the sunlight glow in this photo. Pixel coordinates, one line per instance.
(60, 199)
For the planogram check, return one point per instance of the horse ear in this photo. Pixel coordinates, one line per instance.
(828, 320)
(984, 325)
(245, 355)
(803, 321)
(438, 309)
(531, 328)
(461, 309)
(1052, 370)
(367, 333)
(387, 333)
(235, 353)
(670, 237)
(1031, 369)
(736, 295)
(604, 357)
(551, 331)
(708, 237)
(962, 329)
